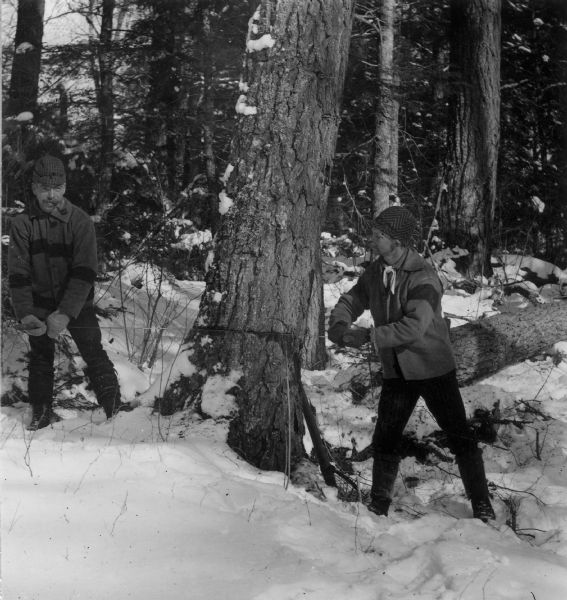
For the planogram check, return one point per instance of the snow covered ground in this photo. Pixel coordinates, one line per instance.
(149, 507)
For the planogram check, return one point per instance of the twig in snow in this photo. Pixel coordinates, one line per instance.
(486, 583)
(508, 489)
(14, 518)
(85, 474)
(28, 442)
(308, 512)
(123, 510)
(251, 510)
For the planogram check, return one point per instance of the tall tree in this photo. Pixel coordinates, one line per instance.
(106, 101)
(468, 208)
(385, 180)
(26, 67)
(168, 96)
(253, 316)
(100, 15)
(207, 98)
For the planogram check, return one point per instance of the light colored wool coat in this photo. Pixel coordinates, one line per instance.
(410, 333)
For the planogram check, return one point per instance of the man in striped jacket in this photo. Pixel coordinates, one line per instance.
(404, 294)
(52, 264)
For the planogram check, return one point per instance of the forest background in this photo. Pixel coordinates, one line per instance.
(140, 98)
(147, 102)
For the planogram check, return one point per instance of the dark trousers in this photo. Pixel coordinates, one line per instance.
(443, 399)
(86, 333)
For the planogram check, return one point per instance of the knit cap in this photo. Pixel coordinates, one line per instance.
(49, 170)
(398, 223)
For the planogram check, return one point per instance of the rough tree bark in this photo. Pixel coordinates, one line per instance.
(168, 102)
(26, 67)
(62, 121)
(106, 104)
(485, 346)
(314, 353)
(206, 109)
(385, 185)
(253, 316)
(207, 105)
(467, 210)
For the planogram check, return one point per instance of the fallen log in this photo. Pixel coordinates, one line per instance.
(485, 346)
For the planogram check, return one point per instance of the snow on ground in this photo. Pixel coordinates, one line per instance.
(150, 507)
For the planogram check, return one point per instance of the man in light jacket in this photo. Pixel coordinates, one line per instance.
(404, 294)
(52, 263)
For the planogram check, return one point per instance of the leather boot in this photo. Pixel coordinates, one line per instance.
(40, 396)
(42, 416)
(471, 468)
(107, 390)
(384, 473)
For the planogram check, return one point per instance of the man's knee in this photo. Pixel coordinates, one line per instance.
(463, 445)
(99, 366)
(41, 365)
(384, 441)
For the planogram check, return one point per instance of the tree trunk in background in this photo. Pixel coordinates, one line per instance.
(27, 58)
(387, 107)
(207, 102)
(167, 103)
(487, 345)
(106, 104)
(206, 115)
(62, 121)
(254, 314)
(467, 212)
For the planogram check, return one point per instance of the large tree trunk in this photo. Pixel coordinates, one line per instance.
(27, 58)
(253, 316)
(467, 212)
(387, 108)
(485, 346)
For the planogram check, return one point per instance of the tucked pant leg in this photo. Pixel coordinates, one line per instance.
(444, 400)
(41, 371)
(397, 401)
(85, 330)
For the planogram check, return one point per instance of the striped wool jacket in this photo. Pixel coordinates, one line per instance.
(409, 331)
(52, 261)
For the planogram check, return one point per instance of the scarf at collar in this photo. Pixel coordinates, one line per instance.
(389, 273)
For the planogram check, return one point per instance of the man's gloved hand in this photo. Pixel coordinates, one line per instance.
(355, 337)
(33, 326)
(336, 332)
(56, 323)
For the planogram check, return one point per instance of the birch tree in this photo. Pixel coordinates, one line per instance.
(385, 180)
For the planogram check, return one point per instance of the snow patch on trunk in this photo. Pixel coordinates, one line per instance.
(217, 400)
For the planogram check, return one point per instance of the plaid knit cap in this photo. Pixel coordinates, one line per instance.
(49, 170)
(398, 223)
